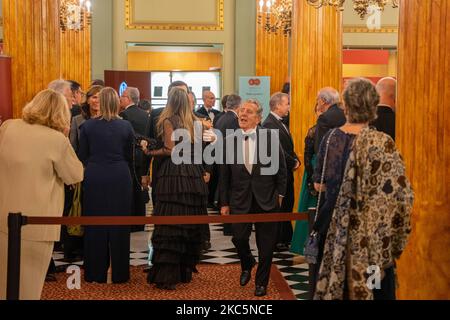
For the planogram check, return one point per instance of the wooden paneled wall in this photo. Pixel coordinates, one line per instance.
(272, 56)
(423, 136)
(316, 63)
(168, 61)
(40, 51)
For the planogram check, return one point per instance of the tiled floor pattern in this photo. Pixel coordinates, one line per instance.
(291, 266)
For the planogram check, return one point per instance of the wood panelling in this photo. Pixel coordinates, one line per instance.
(76, 56)
(169, 61)
(40, 51)
(272, 56)
(316, 63)
(423, 136)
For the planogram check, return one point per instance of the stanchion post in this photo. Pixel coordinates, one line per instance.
(15, 223)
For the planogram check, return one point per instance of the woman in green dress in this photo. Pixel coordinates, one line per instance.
(308, 196)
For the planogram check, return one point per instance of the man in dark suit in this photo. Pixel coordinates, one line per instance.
(229, 121)
(248, 188)
(140, 122)
(332, 117)
(279, 108)
(387, 89)
(77, 98)
(209, 100)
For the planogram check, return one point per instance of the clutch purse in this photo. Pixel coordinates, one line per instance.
(311, 250)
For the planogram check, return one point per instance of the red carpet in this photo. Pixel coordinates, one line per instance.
(213, 282)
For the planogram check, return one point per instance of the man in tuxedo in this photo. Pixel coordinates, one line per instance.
(332, 117)
(279, 108)
(229, 120)
(209, 100)
(248, 188)
(387, 89)
(140, 122)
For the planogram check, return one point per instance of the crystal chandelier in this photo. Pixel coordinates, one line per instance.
(72, 14)
(360, 6)
(275, 16)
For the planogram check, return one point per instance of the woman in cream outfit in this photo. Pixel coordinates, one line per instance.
(36, 159)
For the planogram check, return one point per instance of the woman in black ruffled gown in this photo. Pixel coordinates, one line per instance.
(180, 191)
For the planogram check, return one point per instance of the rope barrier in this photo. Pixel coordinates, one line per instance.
(165, 220)
(16, 221)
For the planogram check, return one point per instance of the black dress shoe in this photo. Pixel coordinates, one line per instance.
(50, 278)
(260, 291)
(280, 247)
(246, 275)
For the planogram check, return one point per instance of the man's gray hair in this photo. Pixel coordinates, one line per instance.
(259, 109)
(276, 99)
(233, 101)
(59, 85)
(134, 94)
(329, 95)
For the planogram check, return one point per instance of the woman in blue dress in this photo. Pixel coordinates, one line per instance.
(106, 149)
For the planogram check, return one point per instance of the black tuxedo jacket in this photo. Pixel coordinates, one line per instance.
(202, 110)
(140, 122)
(238, 188)
(385, 121)
(229, 120)
(286, 141)
(333, 118)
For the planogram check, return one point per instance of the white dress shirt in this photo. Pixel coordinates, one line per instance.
(252, 145)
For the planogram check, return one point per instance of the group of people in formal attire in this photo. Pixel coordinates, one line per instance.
(103, 151)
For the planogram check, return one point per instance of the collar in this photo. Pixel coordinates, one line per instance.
(249, 132)
(386, 106)
(276, 116)
(233, 112)
(130, 105)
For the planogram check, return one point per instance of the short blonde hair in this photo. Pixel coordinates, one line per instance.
(109, 104)
(48, 108)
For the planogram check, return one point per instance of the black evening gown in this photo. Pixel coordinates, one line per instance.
(106, 149)
(180, 191)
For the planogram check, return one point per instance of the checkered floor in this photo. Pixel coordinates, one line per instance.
(222, 251)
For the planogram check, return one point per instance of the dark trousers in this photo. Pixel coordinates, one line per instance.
(387, 289)
(285, 228)
(105, 245)
(266, 236)
(139, 201)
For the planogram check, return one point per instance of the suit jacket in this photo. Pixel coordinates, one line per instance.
(140, 121)
(333, 118)
(385, 121)
(238, 187)
(285, 140)
(227, 121)
(202, 110)
(74, 134)
(35, 163)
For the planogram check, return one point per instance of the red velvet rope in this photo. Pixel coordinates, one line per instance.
(127, 220)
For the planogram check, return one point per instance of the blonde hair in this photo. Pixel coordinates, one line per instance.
(48, 108)
(178, 105)
(109, 104)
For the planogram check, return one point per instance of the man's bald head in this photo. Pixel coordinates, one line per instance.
(209, 99)
(387, 89)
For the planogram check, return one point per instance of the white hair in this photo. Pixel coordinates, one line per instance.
(329, 95)
(134, 94)
(59, 85)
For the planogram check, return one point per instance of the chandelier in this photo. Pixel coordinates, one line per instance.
(72, 14)
(275, 16)
(360, 6)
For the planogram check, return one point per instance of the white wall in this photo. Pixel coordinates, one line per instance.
(102, 37)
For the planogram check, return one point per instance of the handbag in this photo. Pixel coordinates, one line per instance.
(75, 211)
(311, 249)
